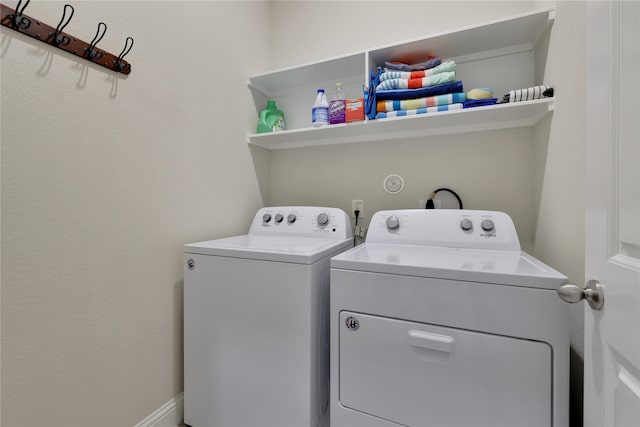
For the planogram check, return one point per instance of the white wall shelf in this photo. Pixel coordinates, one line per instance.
(499, 116)
(500, 54)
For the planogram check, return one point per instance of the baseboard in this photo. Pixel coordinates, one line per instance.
(168, 415)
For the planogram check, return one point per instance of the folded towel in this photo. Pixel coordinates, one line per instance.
(390, 74)
(403, 113)
(413, 104)
(480, 102)
(431, 62)
(413, 93)
(534, 92)
(436, 79)
(370, 93)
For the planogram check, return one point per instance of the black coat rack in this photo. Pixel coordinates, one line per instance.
(18, 21)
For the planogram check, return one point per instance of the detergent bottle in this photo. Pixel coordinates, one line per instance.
(337, 105)
(271, 119)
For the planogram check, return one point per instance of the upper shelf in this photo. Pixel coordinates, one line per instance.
(515, 32)
(500, 54)
(499, 116)
(274, 83)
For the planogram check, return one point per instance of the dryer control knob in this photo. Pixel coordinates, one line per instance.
(266, 217)
(393, 223)
(466, 224)
(279, 218)
(291, 218)
(487, 225)
(323, 219)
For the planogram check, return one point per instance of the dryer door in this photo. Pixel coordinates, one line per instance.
(418, 374)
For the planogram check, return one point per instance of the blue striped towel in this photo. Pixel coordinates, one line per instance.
(425, 102)
(402, 113)
(414, 93)
(391, 74)
(436, 79)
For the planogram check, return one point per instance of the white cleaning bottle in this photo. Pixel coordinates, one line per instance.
(320, 110)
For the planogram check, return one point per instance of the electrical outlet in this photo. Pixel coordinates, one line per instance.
(361, 230)
(357, 205)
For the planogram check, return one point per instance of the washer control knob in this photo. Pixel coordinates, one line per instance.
(393, 223)
(487, 225)
(323, 219)
(466, 224)
(291, 218)
(266, 217)
(279, 218)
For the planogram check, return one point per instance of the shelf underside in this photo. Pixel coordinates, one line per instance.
(500, 116)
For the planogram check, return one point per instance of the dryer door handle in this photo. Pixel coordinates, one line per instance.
(431, 341)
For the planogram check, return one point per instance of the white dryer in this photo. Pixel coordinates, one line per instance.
(256, 327)
(439, 319)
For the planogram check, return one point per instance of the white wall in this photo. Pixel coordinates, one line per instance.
(103, 181)
(560, 155)
(489, 170)
(305, 31)
(560, 171)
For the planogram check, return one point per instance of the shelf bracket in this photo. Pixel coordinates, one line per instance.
(551, 106)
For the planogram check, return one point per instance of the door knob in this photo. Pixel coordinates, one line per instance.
(593, 293)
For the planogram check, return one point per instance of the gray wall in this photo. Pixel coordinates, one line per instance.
(103, 181)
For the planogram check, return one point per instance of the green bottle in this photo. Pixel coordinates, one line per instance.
(271, 119)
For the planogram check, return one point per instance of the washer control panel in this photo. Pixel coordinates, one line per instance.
(445, 227)
(302, 221)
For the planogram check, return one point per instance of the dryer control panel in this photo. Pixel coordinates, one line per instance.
(474, 229)
(302, 221)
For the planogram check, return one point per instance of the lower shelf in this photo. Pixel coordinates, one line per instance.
(499, 116)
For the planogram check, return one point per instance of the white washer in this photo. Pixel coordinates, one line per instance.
(256, 327)
(439, 319)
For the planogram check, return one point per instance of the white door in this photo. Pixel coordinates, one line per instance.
(612, 334)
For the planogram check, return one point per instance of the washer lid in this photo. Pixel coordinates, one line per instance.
(300, 250)
(514, 268)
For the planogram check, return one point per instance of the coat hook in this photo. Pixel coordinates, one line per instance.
(17, 19)
(57, 37)
(118, 62)
(90, 51)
